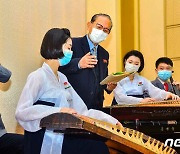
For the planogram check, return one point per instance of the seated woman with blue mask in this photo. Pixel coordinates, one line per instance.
(134, 88)
(48, 91)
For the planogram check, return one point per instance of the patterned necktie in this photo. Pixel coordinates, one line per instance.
(94, 51)
(166, 86)
(95, 69)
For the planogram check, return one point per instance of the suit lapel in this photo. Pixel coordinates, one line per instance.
(85, 45)
(101, 65)
(170, 87)
(159, 84)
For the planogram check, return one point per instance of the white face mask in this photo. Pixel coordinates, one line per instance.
(97, 35)
(131, 68)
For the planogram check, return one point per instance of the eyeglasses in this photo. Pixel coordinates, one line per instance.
(100, 27)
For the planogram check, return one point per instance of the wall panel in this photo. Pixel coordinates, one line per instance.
(22, 27)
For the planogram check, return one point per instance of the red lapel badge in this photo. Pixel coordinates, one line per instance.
(105, 61)
(66, 85)
(140, 83)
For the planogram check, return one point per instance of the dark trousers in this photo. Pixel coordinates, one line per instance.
(33, 141)
(83, 145)
(11, 144)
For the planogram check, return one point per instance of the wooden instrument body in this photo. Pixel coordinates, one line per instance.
(118, 139)
(158, 119)
(144, 112)
(160, 114)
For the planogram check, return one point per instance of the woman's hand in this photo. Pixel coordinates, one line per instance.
(172, 96)
(148, 99)
(68, 110)
(119, 125)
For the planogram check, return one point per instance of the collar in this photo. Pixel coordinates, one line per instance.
(160, 80)
(136, 75)
(46, 67)
(91, 45)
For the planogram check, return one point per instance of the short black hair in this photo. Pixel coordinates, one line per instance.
(94, 17)
(51, 47)
(165, 60)
(135, 53)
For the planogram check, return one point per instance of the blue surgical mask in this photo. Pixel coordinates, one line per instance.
(67, 57)
(164, 75)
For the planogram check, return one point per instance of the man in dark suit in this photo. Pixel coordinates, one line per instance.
(9, 143)
(164, 68)
(89, 64)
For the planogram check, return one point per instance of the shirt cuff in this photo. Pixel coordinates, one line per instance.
(79, 66)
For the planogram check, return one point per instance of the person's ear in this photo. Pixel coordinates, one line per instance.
(88, 25)
(125, 62)
(156, 70)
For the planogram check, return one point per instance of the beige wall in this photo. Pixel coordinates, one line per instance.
(137, 24)
(23, 25)
(159, 33)
(152, 37)
(127, 26)
(172, 28)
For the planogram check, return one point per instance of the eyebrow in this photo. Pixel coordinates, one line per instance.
(103, 26)
(69, 44)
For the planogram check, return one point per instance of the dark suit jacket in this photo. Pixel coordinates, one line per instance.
(84, 80)
(158, 84)
(5, 74)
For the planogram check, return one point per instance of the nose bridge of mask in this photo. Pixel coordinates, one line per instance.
(97, 35)
(96, 32)
(100, 33)
(131, 67)
(165, 72)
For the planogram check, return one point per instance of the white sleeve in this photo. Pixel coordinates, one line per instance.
(99, 115)
(122, 98)
(27, 114)
(77, 103)
(155, 92)
(81, 108)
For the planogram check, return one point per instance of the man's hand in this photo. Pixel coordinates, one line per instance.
(88, 61)
(111, 86)
(177, 84)
(172, 96)
(119, 125)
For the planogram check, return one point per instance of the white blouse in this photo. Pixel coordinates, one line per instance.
(137, 86)
(42, 84)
